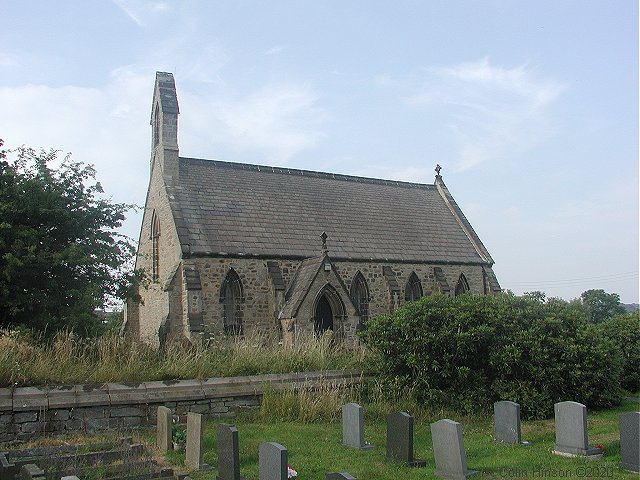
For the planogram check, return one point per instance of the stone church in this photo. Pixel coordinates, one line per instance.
(236, 248)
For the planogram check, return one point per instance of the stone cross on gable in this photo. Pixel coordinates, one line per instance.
(324, 237)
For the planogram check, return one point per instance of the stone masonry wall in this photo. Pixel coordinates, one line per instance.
(154, 307)
(259, 310)
(28, 412)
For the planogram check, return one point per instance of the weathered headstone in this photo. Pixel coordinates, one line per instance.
(228, 452)
(506, 417)
(31, 471)
(400, 440)
(340, 476)
(163, 426)
(571, 431)
(630, 441)
(353, 426)
(448, 450)
(272, 461)
(193, 454)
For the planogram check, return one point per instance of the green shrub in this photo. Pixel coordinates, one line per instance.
(467, 352)
(624, 331)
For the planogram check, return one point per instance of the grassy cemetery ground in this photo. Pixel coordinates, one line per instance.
(316, 448)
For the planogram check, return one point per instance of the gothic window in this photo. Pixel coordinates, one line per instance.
(156, 126)
(413, 289)
(462, 286)
(155, 247)
(232, 299)
(360, 296)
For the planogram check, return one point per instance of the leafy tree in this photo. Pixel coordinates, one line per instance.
(624, 331)
(60, 254)
(600, 305)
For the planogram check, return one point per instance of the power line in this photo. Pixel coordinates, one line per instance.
(619, 277)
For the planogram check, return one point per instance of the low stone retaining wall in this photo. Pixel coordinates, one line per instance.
(31, 411)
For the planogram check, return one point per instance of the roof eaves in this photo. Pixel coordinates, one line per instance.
(462, 221)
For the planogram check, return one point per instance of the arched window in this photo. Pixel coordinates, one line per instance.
(462, 286)
(413, 289)
(156, 125)
(360, 296)
(155, 246)
(231, 298)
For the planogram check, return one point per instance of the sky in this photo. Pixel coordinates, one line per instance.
(530, 107)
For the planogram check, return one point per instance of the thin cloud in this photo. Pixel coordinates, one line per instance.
(106, 127)
(491, 112)
(7, 60)
(140, 10)
(277, 121)
(278, 49)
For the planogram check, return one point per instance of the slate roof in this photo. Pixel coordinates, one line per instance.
(235, 209)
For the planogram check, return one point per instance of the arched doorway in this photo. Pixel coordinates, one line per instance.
(323, 316)
(328, 312)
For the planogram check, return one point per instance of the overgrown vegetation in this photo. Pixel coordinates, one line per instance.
(467, 352)
(67, 358)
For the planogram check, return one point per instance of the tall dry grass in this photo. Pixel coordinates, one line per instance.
(68, 359)
(305, 405)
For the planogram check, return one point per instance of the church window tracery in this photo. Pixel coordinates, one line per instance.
(232, 299)
(462, 286)
(360, 296)
(413, 289)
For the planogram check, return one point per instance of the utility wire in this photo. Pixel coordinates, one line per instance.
(618, 277)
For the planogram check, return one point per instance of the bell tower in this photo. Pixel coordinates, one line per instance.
(164, 125)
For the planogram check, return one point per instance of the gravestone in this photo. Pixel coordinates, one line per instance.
(163, 423)
(31, 471)
(507, 423)
(272, 461)
(228, 452)
(630, 441)
(448, 450)
(571, 431)
(340, 476)
(353, 427)
(400, 440)
(193, 454)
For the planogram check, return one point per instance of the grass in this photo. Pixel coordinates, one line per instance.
(28, 361)
(315, 448)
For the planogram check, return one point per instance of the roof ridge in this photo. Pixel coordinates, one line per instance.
(308, 173)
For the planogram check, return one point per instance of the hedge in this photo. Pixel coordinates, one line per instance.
(468, 351)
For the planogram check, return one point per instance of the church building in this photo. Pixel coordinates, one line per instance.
(234, 248)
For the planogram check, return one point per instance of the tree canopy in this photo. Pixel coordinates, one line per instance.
(600, 305)
(61, 256)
